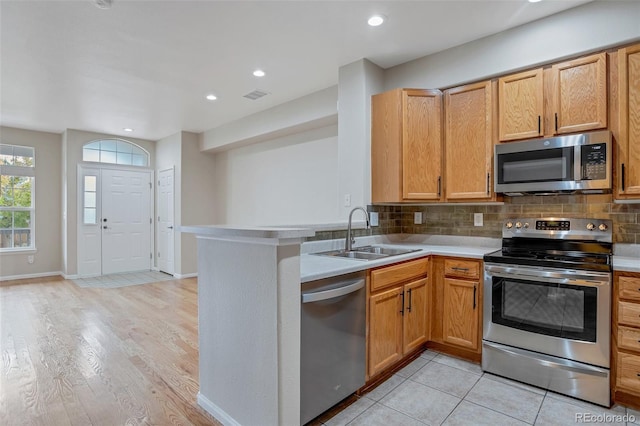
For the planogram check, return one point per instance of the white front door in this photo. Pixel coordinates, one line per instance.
(126, 220)
(165, 221)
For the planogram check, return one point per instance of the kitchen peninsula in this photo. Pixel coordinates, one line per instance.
(249, 323)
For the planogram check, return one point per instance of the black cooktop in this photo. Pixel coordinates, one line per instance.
(585, 255)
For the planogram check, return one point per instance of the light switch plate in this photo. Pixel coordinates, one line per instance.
(417, 218)
(373, 218)
(478, 219)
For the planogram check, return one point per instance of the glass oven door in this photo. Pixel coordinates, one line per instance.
(552, 309)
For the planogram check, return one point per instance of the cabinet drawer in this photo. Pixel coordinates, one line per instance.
(629, 338)
(629, 288)
(629, 313)
(396, 274)
(462, 268)
(628, 375)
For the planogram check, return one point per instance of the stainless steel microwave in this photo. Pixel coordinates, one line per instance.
(572, 163)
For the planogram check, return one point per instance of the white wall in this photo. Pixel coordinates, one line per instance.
(356, 83)
(48, 190)
(286, 181)
(593, 26)
(72, 141)
(198, 198)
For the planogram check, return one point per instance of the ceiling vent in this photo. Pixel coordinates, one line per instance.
(256, 94)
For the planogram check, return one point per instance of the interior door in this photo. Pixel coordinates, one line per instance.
(165, 221)
(126, 221)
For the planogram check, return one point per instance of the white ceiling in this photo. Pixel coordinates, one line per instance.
(149, 64)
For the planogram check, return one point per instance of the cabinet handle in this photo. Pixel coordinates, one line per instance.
(456, 268)
(409, 307)
(539, 124)
(488, 179)
(622, 177)
(402, 306)
(638, 374)
(474, 296)
(439, 185)
(556, 121)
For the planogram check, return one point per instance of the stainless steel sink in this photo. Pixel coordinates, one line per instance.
(367, 252)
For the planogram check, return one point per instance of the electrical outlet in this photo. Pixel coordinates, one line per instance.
(373, 218)
(347, 200)
(417, 218)
(30, 259)
(478, 219)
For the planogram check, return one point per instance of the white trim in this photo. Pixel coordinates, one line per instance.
(18, 250)
(71, 276)
(216, 411)
(38, 275)
(181, 276)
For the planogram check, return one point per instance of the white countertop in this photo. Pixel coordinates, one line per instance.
(626, 263)
(315, 267)
(230, 231)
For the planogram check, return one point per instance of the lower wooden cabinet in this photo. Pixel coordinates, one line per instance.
(457, 306)
(460, 321)
(398, 313)
(625, 338)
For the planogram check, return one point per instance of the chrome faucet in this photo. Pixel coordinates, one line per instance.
(351, 240)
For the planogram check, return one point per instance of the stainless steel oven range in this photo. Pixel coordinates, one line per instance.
(547, 306)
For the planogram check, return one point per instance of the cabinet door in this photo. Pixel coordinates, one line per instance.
(580, 98)
(421, 144)
(386, 147)
(460, 320)
(628, 165)
(468, 142)
(520, 105)
(415, 330)
(385, 329)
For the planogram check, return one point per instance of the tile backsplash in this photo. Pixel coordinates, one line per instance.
(451, 219)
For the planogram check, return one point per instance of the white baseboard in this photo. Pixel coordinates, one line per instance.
(26, 276)
(181, 276)
(216, 411)
(73, 276)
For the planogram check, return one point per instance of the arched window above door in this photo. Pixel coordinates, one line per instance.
(115, 151)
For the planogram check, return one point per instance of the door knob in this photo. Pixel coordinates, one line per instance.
(104, 220)
(170, 227)
(105, 227)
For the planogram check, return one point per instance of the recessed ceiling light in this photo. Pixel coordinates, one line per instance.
(376, 20)
(259, 73)
(534, 1)
(212, 97)
(128, 129)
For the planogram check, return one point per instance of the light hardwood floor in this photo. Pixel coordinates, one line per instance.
(81, 356)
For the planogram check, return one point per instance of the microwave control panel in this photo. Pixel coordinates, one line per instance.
(594, 161)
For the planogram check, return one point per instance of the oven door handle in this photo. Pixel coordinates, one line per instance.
(569, 281)
(549, 276)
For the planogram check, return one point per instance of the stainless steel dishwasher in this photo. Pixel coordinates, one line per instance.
(332, 344)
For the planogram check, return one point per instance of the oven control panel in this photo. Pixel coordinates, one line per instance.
(559, 228)
(553, 225)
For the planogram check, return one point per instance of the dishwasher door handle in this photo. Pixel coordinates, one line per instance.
(350, 287)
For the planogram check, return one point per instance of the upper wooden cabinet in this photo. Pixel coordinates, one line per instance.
(628, 163)
(580, 94)
(569, 97)
(406, 145)
(469, 142)
(521, 105)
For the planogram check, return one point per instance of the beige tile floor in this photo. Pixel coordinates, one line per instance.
(437, 389)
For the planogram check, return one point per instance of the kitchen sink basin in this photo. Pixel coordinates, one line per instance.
(367, 252)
